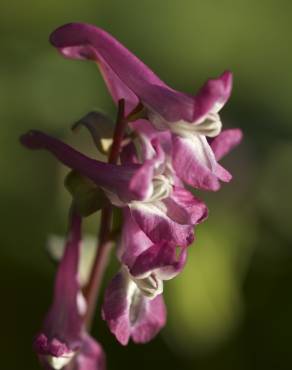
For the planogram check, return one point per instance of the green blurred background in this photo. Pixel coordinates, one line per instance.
(232, 306)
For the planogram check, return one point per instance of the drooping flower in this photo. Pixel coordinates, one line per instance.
(172, 138)
(133, 305)
(129, 313)
(163, 210)
(188, 118)
(63, 339)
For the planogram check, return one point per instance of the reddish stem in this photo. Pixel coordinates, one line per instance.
(119, 133)
(99, 266)
(104, 239)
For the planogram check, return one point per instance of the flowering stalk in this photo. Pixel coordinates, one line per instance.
(172, 139)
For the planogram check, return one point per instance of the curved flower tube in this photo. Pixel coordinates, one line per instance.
(188, 118)
(130, 79)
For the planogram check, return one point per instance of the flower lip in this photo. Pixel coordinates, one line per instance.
(57, 363)
(210, 126)
(129, 313)
(151, 286)
(212, 96)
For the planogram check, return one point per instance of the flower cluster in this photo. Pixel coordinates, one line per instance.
(164, 142)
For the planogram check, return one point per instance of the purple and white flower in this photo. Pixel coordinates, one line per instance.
(161, 208)
(133, 304)
(189, 119)
(171, 139)
(63, 338)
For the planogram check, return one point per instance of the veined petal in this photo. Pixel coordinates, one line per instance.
(212, 96)
(116, 307)
(225, 142)
(160, 260)
(143, 258)
(129, 313)
(153, 220)
(133, 240)
(149, 317)
(126, 76)
(183, 207)
(194, 162)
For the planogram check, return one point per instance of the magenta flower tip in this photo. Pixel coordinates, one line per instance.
(43, 346)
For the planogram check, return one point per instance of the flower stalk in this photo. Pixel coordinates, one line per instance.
(163, 140)
(104, 237)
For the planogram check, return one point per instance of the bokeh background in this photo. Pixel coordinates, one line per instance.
(232, 306)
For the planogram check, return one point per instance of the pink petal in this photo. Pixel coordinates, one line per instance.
(212, 96)
(155, 223)
(194, 162)
(151, 319)
(183, 207)
(161, 260)
(225, 142)
(222, 173)
(130, 314)
(133, 240)
(141, 182)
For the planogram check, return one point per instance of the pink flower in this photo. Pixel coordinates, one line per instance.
(163, 210)
(63, 338)
(129, 313)
(163, 139)
(133, 304)
(189, 119)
